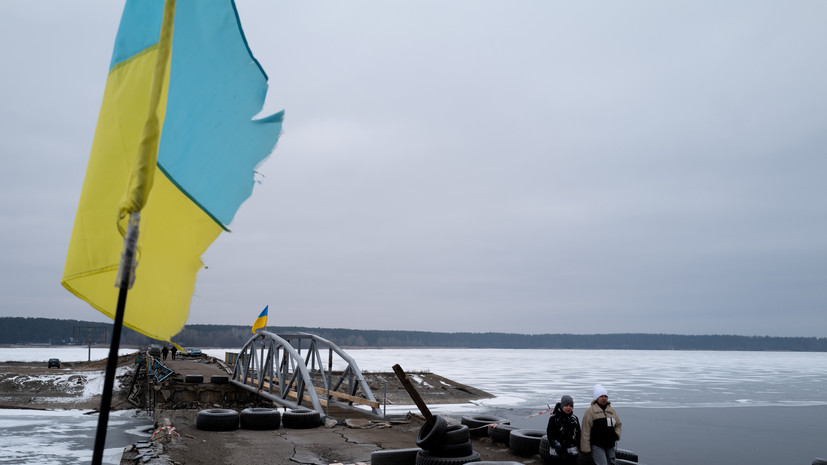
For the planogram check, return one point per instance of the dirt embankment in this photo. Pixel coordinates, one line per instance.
(75, 385)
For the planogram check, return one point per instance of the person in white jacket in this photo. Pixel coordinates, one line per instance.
(601, 428)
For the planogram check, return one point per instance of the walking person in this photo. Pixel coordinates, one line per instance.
(174, 351)
(563, 432)
(164, 353)
(601, 428)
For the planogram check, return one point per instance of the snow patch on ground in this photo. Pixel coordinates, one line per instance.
(65, 388)
(418, 380)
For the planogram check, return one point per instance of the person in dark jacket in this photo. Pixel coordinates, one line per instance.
(601, 428)
(563, 432)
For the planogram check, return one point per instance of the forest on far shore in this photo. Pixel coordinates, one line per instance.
(18, 330)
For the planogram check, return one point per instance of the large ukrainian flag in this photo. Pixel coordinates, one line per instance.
(211, 88)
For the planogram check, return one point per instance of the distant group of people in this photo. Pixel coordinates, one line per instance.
(597, 437)
(165, 351)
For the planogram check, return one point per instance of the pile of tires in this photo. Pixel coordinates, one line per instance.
(526, 442)
(441, 444)
(301, 419)
(222, 419)
(478, 424)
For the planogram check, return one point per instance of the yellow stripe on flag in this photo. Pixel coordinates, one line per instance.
(261, 321)
(176, 141)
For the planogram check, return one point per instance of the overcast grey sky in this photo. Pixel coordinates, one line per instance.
(516, 166)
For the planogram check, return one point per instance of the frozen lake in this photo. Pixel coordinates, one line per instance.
(635, 378)
(60, 437)
(678, 407)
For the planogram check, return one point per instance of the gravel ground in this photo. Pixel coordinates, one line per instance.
(316, 446)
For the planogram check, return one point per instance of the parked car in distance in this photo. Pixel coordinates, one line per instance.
(54, 362)
(193, 352)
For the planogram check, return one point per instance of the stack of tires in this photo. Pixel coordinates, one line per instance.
(222, 419)
(441, 444)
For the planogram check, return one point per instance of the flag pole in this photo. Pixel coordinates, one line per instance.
(126, 276)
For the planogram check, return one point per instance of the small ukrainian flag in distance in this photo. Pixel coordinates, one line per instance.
(261, 321)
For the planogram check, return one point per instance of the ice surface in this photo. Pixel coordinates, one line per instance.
(59, 437)
(64, 353)
(640, 378)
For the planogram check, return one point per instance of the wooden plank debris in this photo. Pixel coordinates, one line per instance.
(403, 377)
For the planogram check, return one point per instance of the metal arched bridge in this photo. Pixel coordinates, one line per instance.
(297, 370)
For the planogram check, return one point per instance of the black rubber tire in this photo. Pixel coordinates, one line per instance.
(301, 419)
(544, 450)
(219, 379)
(624, 462)
(501, 433)
(526, 441)
(430, 435)
(394, 456)
(819, 461)
(217, 419)
(626, 455)
(452, 450)
(455, 434)
(424, 458)
(194, 379)
(495, 462)
(477, 423)
(260, 418)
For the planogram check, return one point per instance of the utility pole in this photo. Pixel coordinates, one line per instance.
(88, 335)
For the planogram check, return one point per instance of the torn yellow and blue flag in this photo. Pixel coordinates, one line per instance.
(261, 321)
(208, 149)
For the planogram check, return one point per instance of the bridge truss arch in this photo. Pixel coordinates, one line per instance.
(291, 370)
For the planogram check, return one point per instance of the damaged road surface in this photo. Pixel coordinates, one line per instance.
(314, 446)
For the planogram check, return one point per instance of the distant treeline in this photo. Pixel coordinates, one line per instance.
(53, 331)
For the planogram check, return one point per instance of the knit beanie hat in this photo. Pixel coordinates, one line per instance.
(599, 390)
(566, 400)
